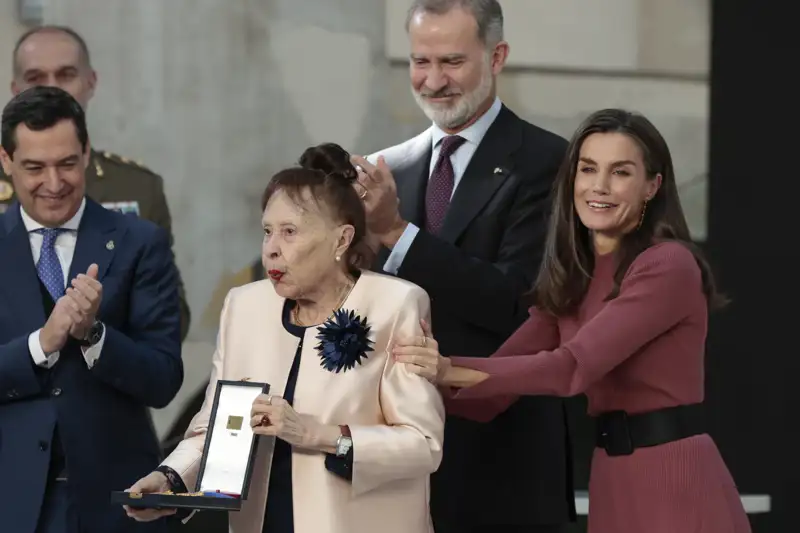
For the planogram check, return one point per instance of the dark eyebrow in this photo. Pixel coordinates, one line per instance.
(67, 160)
(621, 163)
(62, 68)
(31, 71)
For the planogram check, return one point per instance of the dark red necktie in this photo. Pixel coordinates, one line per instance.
(440, 185)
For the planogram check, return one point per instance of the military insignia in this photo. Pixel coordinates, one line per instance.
(123, 207)
(110, 245)
(98, 169)
(6, 190)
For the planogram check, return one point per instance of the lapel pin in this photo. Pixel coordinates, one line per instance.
(110, 245)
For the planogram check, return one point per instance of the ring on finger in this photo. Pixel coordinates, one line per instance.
(265, 422)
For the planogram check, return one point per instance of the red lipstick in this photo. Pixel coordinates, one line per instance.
(275, 275)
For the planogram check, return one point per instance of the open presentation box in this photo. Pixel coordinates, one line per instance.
(227, 461)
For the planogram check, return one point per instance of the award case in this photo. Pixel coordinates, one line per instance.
(227, 461)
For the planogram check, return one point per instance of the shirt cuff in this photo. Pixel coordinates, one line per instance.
(395, 260)
(37, 354)
(92, 353)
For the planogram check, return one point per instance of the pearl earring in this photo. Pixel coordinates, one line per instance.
(338, 258)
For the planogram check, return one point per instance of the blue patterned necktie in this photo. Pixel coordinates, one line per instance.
(440, 185)
(49, 267)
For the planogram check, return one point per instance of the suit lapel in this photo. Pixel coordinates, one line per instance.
(411, 180)
(98, 238)
(18, 278)
(489, 167)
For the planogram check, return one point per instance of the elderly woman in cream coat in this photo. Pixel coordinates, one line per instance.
(358, 435)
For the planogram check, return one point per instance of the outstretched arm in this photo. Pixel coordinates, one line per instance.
(539, 332)
(646, 307)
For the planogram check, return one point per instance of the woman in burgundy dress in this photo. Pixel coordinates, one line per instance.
(622, 313)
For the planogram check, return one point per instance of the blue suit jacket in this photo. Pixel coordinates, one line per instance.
(101, 413)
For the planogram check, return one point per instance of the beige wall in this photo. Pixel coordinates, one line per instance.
(216, 96)
(629, 36)
(10, 30)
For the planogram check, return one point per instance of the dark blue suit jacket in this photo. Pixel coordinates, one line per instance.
(101, 413)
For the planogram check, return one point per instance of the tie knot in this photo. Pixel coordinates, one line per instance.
(450, 144)
(50, 234)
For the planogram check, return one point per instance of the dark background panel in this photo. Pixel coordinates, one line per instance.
(754, 188)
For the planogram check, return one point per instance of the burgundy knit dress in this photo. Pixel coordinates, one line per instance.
(641, 351)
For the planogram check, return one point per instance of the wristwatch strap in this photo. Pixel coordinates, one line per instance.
(176, 484)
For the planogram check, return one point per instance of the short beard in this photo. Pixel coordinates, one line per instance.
(465, 108)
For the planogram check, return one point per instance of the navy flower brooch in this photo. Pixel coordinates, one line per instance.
(343, 341)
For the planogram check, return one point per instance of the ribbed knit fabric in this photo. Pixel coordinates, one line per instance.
(641, 351)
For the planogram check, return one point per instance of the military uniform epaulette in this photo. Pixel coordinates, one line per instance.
(110, 157)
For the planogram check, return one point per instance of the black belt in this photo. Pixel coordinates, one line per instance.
(620, 433)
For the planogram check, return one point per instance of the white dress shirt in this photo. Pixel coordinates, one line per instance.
(473, 135)
(65, 250)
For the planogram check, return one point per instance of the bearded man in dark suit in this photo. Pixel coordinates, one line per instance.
(461, 210)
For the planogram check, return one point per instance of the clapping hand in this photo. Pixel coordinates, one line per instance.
(422, 356)
(74, 313)
(377, 189)
(86, 294)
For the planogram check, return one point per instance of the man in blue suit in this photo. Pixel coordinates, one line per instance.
(89, 332)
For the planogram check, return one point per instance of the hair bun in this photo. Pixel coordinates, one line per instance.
(331, 159)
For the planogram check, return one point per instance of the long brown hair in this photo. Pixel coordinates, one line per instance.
(569, 257)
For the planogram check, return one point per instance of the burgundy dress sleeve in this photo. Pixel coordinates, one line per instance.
(539, 332)
(649, 304)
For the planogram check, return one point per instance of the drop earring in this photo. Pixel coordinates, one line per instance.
(644, 210)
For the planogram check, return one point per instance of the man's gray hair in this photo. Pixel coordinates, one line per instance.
(488, 14)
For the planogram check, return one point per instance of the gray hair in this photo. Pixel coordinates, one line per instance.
(488, 14)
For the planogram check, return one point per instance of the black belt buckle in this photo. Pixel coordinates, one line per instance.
(614, 433)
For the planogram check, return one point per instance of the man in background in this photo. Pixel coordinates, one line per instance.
(461, 210)
(57, 56)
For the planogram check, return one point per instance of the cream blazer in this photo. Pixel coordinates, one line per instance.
(396, 418)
